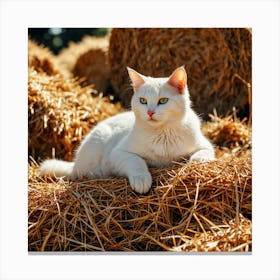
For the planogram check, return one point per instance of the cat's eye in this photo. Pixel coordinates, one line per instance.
(143, 100)
(163, 100)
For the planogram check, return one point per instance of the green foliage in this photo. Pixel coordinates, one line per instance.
(58, 38)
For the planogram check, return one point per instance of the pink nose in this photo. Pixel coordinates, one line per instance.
(150, 113)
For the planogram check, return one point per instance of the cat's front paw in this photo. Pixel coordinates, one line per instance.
(141, 183)
(202, 156)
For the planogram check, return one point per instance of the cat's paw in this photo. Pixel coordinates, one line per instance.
(202, 156)
(141, 183)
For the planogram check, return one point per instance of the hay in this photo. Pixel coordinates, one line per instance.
(218, 62)
(106, 215)
(239, 41)
(94, 66)
(42, 59)
(232, 237)
(60, 114)
(230, 135)
(88, 58)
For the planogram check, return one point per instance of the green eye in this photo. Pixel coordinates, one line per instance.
(143, 100)
(163, 100)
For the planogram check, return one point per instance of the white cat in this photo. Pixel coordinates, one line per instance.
(161, 128)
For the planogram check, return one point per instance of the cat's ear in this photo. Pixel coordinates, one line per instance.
(178, 79)
(136, 79)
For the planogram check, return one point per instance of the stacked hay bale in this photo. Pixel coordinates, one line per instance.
(60, 110)
(216, 59)
(88, 59)
(60, 114)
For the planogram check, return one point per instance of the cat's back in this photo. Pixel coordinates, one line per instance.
(104, 136)
(120, 121)
(111, 130)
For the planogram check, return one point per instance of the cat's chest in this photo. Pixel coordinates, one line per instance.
(163, 148)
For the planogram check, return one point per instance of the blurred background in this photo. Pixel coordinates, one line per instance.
(58, 38)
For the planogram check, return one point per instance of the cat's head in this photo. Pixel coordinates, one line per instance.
(159, 101)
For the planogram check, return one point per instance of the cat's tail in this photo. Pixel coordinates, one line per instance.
(56, 168)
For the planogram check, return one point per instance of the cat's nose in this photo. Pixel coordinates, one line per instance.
(150, 113)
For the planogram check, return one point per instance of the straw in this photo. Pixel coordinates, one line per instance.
(192, 201)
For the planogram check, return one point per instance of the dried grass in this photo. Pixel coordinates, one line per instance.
(106, 215)
(230, 135)
(218, 62)
(232, 237)
(61, 113)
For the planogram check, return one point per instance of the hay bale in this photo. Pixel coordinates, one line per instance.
(60, 114)
(42, 59)
(216, 60)
(68, 57)
(88, 58)
(239, 41)
(106, 215)
(93, 65)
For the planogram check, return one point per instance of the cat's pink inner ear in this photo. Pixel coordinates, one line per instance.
(136, 79)
(178, 79)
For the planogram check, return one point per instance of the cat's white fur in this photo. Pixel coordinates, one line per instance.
(126, 144)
